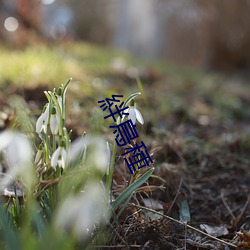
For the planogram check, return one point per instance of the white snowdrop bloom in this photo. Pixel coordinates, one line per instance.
(59, 157)
(17, 152)
(54, 121)
(101, 154)
(77, 148)
(79, 214)
(134, 113)
(98, 152)
(59, 99)
(42, 122)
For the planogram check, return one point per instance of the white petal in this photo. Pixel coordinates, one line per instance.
(125, 111)
(18, 156)
(78, 214)
(39, 123)
(77, 148)
(132, 115)
(19, 151)
(54, 124)
(101, 155)
(5, 139)
(55, 156)
(139, 116)
(59, 99)
(44, 127)
(38, 156)
(46, 113)
(63, 158)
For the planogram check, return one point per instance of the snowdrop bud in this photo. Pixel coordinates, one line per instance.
(79, 214)
(54, 122)
(39, 154)
(42, 122)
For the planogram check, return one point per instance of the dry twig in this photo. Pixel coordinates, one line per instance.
(184, 224)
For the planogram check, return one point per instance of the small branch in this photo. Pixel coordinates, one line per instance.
(227, 207)
(117, 246)
(239, 217)
(184, 224)
(173, 202)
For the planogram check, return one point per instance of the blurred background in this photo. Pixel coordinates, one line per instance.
(211, 34)
(188, 53)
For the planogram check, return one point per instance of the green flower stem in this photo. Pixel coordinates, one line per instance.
(65, 87)
(47, 137)
(54, 142)
(111, 168)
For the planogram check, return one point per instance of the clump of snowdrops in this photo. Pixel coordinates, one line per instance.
(60, 189)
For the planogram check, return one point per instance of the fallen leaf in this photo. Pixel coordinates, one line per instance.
(215, 231)
(153, 204)
(245, 236)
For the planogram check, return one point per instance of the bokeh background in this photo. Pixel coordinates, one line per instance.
(211, 34)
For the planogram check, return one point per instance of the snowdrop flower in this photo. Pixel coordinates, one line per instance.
(17, 152)
(98, 152)
(134, 113)
(54, 121)
(39, 154)
(79, 214)
(59, 97)
(42, 122)
(59, 157)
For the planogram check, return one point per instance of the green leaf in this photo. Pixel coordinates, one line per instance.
(122, 209)
(10, 236)
(39, 222)
(185, 212)
(129, 190)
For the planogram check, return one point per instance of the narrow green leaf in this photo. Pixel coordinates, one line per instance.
(129, 98)
(39, 222)
(10, 235)
(65, 87)
(129, 190)
(185, 212)
(122, 209)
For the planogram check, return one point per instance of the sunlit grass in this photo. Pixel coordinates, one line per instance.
(37, 65)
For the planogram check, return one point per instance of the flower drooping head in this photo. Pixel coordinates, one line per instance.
(134, 113)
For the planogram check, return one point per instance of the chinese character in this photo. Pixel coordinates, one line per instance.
(109, 103)
(134, 149)
(126, 131)
(118, 111)
(139, 160)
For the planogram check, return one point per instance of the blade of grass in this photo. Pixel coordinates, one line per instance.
(122, 209)
(11, 239)
(129, 190)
